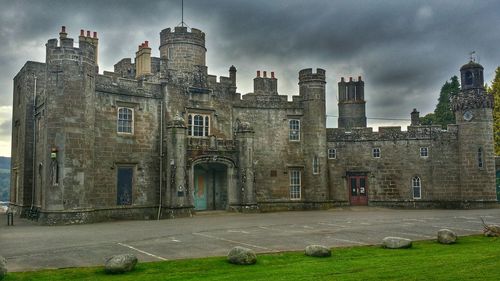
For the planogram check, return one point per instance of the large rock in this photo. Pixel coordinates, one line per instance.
(491, 230)
(396, 243)
(3, 267)
(318, 251)
(241, 255)
(446, 236)
(120, 263)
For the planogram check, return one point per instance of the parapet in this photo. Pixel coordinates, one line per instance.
(85, 52)
(391, 133)
(182, 35)
(307, 75)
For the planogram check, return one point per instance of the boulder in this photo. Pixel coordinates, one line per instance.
(396, 243)
(3, 267)
(318, 251)
(120, 263)
(446, 236)
(242, 256)
(491, 230)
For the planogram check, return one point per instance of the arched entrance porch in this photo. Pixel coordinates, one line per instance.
(213, 181)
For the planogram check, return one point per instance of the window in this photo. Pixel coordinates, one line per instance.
(125, 120)
(315, 165)
(376, 152)
(424, 152)
(480, 162)
(332, 153)
(170, 53)
(416, 188)
(468, 78)
(198, 125)
(294, 125)
(295, 184)
(124, 182)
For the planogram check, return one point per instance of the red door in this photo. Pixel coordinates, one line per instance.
(358, 192)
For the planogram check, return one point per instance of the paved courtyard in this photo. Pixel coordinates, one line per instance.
(27, 246)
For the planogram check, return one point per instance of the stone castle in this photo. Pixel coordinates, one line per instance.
(161, 138)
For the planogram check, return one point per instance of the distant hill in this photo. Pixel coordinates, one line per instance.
(4, 162)
(4, 178)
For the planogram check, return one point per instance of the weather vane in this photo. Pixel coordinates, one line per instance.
(472, 56)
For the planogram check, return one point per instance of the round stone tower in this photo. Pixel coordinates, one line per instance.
(183, 50)
(473, 113)
(352, 112)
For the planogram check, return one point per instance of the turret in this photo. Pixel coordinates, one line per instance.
(70, 106)
(183, 50)
(313, 127)
(473, 114)
(352, 104)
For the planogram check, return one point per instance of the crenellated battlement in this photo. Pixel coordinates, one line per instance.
(307, 75)
(65, 49)
(391, 133)
(180, 34)
(123, 86)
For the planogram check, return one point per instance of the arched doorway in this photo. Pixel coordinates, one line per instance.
(210, 182)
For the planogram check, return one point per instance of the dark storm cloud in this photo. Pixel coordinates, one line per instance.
(405, 50)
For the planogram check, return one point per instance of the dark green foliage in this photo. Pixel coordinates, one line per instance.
(442, 114)
(495, 91)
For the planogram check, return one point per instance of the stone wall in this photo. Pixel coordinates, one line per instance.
(390, 175)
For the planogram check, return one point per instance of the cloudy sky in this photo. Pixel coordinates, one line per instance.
(404, 50)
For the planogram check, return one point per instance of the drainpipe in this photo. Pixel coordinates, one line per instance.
(161, 159)
(34, 147)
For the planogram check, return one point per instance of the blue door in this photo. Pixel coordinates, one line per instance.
(200, 192)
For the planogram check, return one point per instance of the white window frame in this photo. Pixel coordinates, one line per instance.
(376, 152)
(332, 153)
(416, 183)
(295, 184)
(315, 165)
(204, 127)
(424, 152)
(294, 129)
(120, 127)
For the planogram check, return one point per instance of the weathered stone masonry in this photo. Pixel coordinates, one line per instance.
(161, 138)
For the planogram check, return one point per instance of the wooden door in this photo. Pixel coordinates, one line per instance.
(358, 190)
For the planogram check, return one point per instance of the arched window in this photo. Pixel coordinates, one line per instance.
(480, 162)
(416, 188)
(468, 78)
(125, 120)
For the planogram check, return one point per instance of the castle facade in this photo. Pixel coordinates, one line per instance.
(161, 138)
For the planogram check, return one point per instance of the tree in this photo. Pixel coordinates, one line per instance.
(495, 91)
(442, 114)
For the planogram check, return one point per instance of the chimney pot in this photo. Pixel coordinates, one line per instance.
(88, 33)
(265, 74)
(82, 32)
(272, 74)
(350, 79)
(63, 29)
(146, 43)
(359, 78)
(258, 73)
(95, 34)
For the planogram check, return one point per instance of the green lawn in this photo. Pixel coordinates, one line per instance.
(473, 258)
